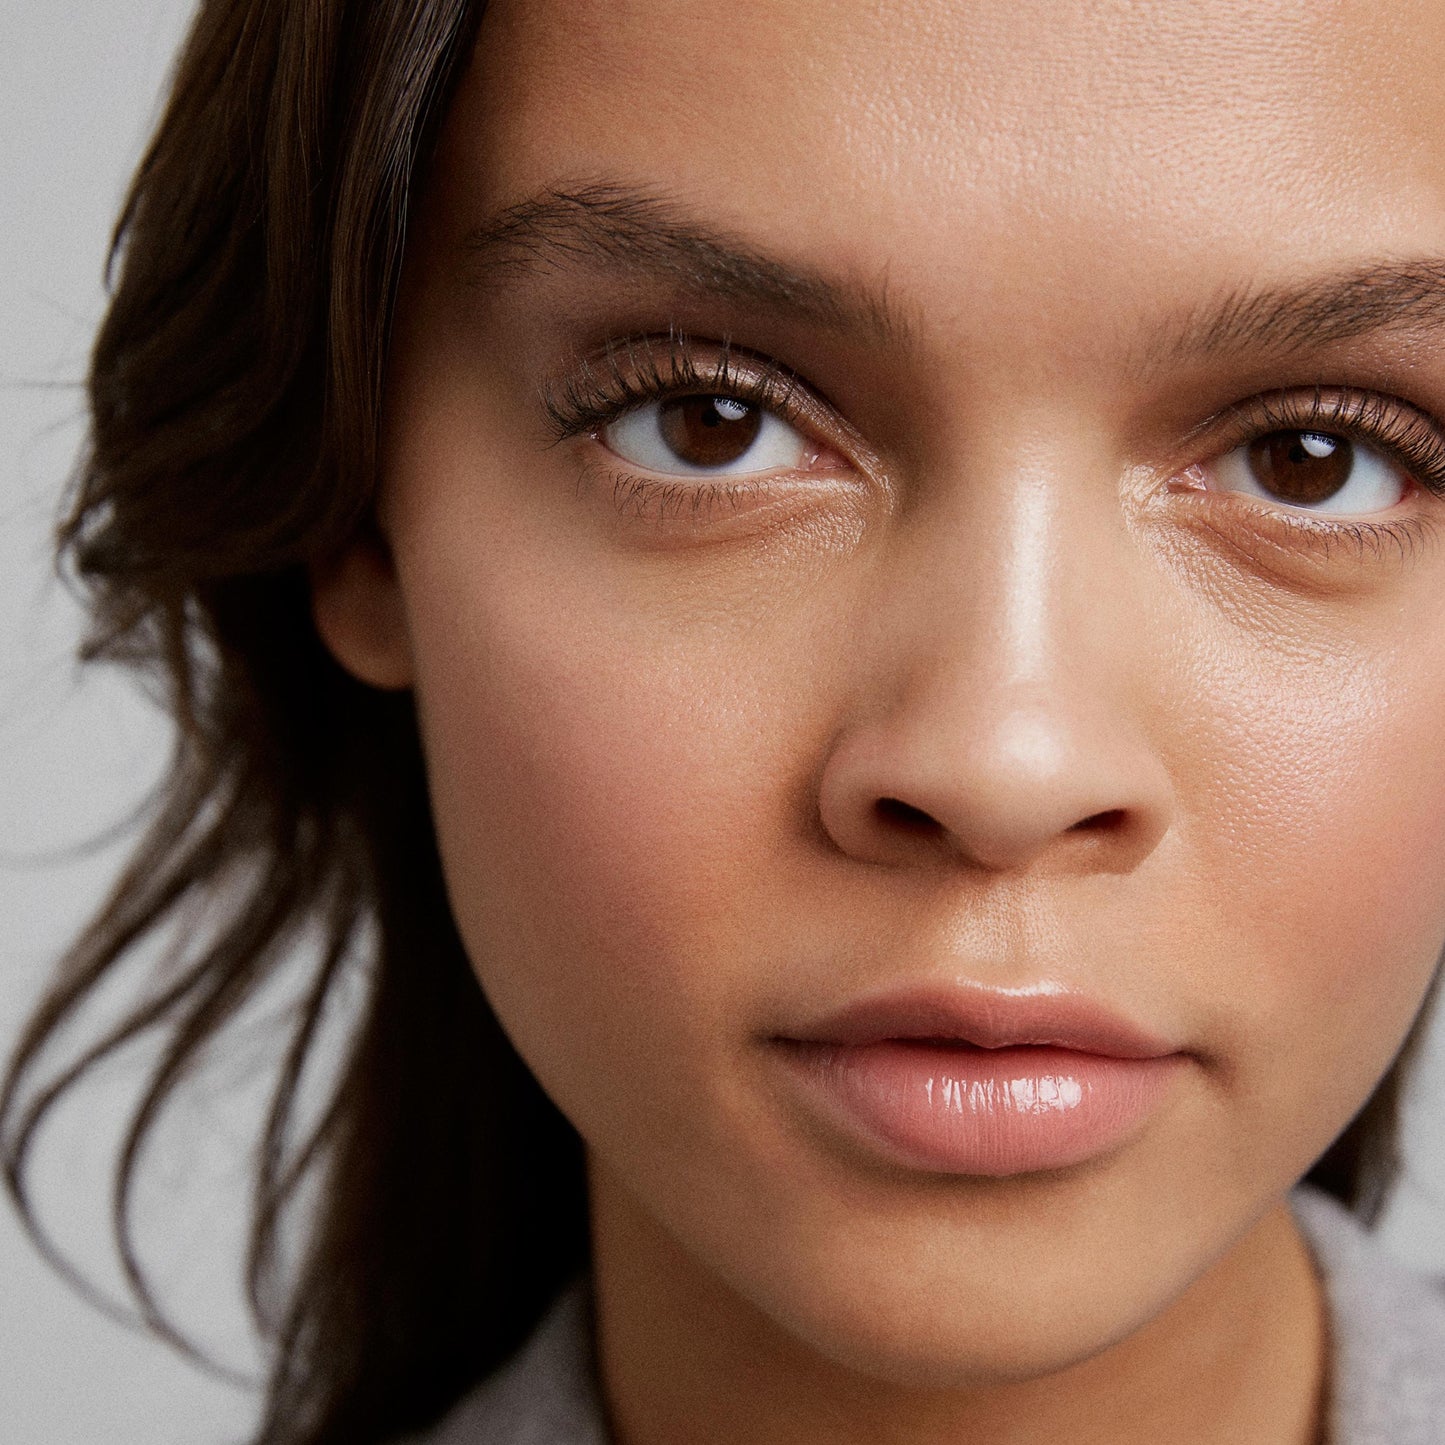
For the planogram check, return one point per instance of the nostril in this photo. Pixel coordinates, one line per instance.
(905, 815)
(1112, 820)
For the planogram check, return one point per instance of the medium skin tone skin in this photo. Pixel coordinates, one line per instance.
(1156, 741)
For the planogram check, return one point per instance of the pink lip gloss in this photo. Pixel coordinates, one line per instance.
(958, 1109)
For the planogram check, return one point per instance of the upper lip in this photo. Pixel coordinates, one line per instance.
(987, 1018)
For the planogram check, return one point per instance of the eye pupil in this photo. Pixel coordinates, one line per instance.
(1301, 467)
(709, 431)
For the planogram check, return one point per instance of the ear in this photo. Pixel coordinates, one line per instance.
(357, 606)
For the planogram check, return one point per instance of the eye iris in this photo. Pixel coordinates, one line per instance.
(709, 431)
(1301, 467)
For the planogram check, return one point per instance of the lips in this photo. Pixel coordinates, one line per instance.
(979, 1081)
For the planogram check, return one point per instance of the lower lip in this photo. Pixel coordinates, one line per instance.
(994, 1112)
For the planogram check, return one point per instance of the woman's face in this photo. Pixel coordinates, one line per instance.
(915, 519)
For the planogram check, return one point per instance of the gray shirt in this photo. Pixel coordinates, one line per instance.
(1387, 1356)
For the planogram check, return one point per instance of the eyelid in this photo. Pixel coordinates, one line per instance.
(1397, 429)
(632, 371)
(638, 369)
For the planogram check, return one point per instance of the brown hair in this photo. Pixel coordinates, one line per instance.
(235, 394)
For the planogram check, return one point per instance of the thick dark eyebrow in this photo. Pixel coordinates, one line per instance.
(1385, 296)
(641, 235)
(638, 234)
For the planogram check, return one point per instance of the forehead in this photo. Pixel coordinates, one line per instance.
(983, 154)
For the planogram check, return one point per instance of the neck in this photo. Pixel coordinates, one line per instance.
(1238, 1358)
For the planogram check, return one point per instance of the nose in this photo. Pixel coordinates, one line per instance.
(1000, 782)
(1001, 720)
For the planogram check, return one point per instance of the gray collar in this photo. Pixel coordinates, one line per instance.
(1387, 1334)
(545, 1395)
(1387, 1338)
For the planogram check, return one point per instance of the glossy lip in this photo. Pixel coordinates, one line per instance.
(977, 1081)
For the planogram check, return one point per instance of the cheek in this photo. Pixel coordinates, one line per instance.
(1321, 887)
(612, 777)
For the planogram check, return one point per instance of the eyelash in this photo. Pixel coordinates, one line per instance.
(636, 371)
(1395, 428)
(1390, 426)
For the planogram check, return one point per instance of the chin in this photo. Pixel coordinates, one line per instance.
(966, 1326)
(964, 1285)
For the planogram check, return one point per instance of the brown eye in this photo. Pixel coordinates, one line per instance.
(1313, 471)
(708, 431)
(701, 435)
(1303, 468)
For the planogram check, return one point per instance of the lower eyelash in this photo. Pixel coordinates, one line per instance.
(1363, 541)
(1376, 540)
(664, 501)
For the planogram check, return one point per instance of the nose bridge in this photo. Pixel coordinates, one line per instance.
(1014, 556)
(1029, 619)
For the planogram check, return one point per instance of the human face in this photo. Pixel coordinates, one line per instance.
(1070, 637)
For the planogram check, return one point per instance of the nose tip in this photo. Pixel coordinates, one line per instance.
(1020, 791)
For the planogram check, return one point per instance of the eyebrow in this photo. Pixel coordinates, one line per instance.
(636, 233)
(1360, 301)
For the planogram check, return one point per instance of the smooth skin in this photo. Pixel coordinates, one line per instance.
(1003, 679)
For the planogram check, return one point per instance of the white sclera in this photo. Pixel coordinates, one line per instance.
(1375, 484)
(637, 437)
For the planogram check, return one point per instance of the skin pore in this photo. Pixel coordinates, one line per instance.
(1002, 673)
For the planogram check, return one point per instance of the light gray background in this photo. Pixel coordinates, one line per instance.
(79, 81)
